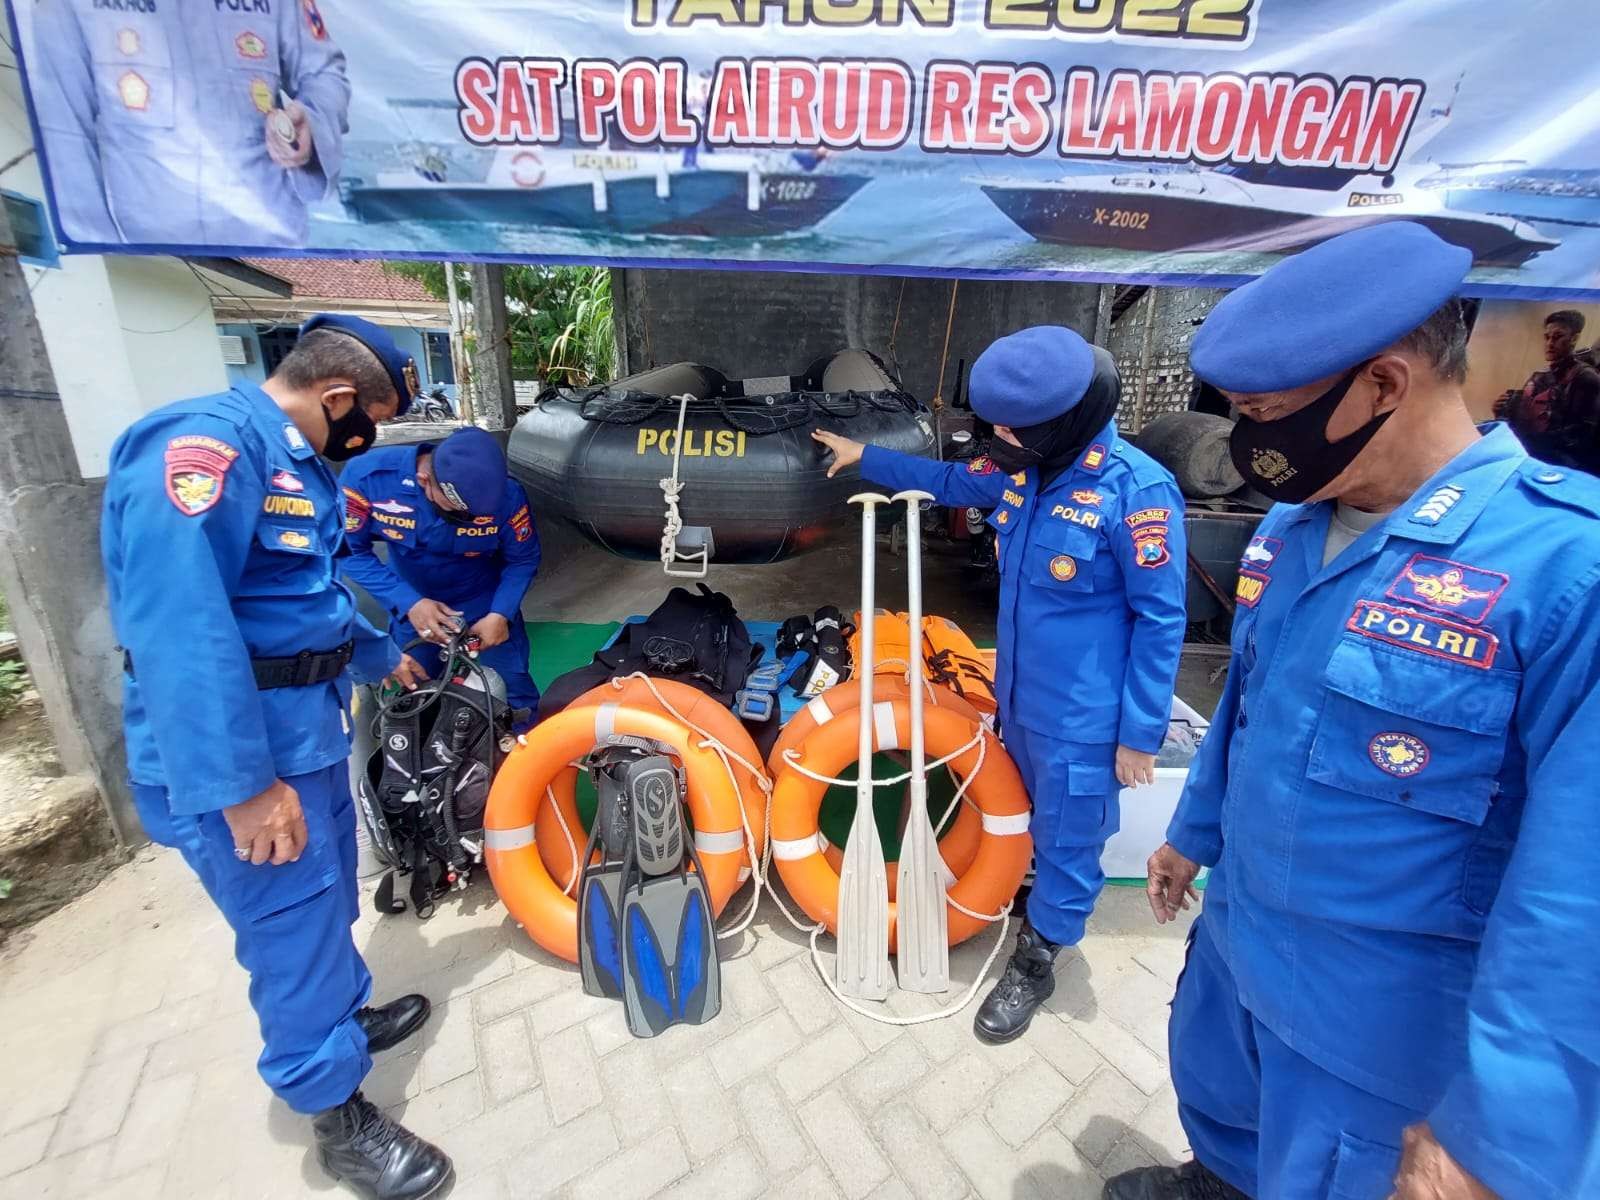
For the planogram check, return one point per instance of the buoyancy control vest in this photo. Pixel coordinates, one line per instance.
(694, 637)
(426, 783)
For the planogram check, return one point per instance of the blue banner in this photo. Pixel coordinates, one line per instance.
(1188, 141)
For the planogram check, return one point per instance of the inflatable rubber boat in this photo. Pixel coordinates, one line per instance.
(753, 484)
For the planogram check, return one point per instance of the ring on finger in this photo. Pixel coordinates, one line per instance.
(242, 853)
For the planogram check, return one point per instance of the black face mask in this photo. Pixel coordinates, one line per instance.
(349, 435)
(452, 515)
(1054, 445)
(1291, 459)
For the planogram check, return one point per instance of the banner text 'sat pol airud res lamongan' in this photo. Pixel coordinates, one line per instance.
(1090, 139)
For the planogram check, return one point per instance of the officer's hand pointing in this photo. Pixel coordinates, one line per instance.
(1135, 767)
(846, 453)
(1170, 883)
(433, 621)
(268, 827)
(492, 630)
(289, 138)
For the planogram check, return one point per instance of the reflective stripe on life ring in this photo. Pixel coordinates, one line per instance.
(1004, 849)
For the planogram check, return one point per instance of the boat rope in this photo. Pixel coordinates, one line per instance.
(894, 330)
(944, 356)
(672, 488)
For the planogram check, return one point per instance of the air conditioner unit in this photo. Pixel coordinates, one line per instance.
(235, 350)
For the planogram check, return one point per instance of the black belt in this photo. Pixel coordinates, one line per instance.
(306, 669)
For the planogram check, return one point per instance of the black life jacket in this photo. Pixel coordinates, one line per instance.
(694, 637)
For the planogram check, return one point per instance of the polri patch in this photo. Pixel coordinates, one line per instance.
(196, 469)
(250, 45)
(1261, 552)
(1399, 754)
(1251, 587)
(1063, 567)
(294, 539)
(1425, 633)
(287, 481)
(1088, 497)
(1456, 589)
(1149, 528)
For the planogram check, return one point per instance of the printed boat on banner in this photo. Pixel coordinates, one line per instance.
(1264, 208)
(622, 188)
(754, 484)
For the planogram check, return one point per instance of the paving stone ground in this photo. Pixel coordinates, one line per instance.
(129, 1057)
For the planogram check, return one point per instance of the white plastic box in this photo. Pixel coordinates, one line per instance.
(1147, 811)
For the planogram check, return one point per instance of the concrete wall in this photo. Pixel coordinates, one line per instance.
(750, 323)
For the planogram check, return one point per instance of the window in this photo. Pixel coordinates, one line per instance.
(440, 368)
(30, 225)
(275, 346)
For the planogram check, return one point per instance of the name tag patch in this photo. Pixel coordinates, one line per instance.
(1250, 588)
(1424, 633)
(1467, 593)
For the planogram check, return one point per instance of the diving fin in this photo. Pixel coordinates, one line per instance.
(669, 943)
(600, 881)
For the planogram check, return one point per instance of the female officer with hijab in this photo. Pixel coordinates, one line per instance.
(1091, 617)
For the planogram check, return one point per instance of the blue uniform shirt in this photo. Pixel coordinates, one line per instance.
(1092, 587)
(154, 117)
(219, 529)
(1399, 799)
(481, 567)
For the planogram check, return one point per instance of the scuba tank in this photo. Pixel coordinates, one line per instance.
(426, 785)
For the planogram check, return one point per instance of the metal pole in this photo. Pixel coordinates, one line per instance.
(458, 355)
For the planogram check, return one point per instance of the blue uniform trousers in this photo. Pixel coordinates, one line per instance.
(509, 659)
(1075, 809)
(1265, 1118)
(291, 926)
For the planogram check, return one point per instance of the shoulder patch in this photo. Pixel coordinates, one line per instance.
(197, 467)
(982, 465)
(356, 510)
(522, 524)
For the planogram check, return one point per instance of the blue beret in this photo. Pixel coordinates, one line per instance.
(1030, 377)
(471, 468)
(1322, 311)
(400, 365)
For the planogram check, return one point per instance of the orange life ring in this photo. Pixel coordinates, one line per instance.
(1004, 847)
(560, 855)
(519, 874)
(959, 842)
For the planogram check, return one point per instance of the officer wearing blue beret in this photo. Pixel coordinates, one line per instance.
(1092, 612)
(462, 549)
(1391, 988)
(219, 533)
(210, 122)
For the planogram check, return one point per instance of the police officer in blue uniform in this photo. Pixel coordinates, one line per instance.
(462, 549)
(1391, 989)
(212, 122)
(219, 533)
(1092, 612)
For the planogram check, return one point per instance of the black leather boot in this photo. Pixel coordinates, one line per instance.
(392, 1024)
(1027, 983)
(375, 1156)
(1192, 1181)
